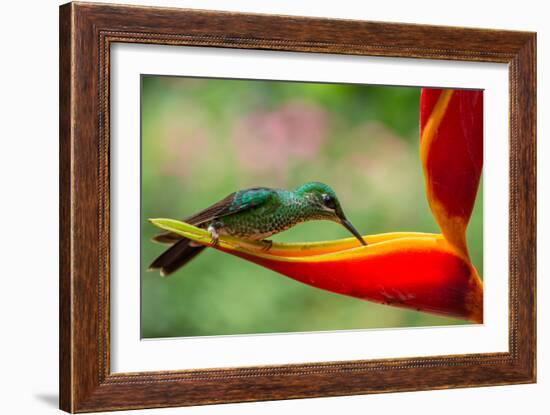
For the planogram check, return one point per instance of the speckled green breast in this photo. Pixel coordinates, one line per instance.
(285, 211)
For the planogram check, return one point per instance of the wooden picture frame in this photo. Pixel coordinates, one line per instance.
(86, 33)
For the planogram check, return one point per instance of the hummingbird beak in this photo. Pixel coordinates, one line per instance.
(347, 224)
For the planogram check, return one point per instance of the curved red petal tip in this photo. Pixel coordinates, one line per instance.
(451, 149)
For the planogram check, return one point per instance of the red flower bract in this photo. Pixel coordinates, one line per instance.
(422, 273)
(451, 149)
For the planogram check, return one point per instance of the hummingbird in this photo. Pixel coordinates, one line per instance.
(253, 214)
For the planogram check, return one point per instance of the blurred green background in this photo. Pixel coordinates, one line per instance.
(205, 138)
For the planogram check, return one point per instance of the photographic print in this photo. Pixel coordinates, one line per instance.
(258, 207)
(276, 206)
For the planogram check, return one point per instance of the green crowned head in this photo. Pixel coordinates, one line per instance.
(326, 203)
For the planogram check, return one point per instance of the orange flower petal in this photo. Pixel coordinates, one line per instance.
(451, 152)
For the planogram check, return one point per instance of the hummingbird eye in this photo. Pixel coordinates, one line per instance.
(328, 201)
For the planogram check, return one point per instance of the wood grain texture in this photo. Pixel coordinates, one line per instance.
(86, 33)
(65, 246)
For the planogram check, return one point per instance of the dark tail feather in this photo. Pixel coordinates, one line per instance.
(175, 257)
(167, 238)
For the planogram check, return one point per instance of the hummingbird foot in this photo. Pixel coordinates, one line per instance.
(213, 231)
(267, 244)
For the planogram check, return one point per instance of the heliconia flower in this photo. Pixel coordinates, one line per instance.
(420, 271)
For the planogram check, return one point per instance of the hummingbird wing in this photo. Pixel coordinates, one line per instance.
(234, 203)
(183, 250)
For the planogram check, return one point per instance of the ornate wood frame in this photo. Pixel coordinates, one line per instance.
(86, 33)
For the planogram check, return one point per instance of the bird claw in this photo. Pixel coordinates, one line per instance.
(215, 241)
(267, 244)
